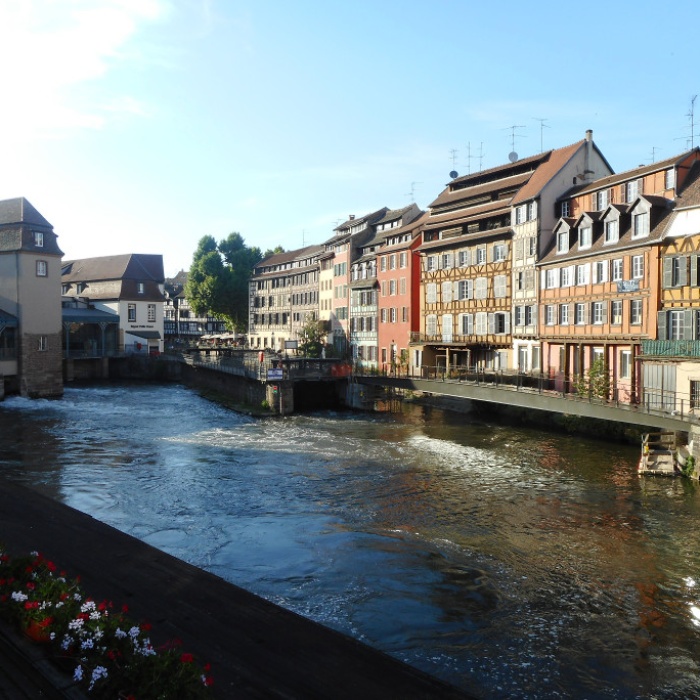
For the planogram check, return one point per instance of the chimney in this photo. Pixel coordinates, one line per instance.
(351, 217)
(589, 135)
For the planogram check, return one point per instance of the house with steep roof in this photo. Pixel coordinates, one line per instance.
(30, 302)
(599, 282)
(471, 279)
(130, 287)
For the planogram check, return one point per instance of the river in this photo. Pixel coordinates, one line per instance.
(511, 562)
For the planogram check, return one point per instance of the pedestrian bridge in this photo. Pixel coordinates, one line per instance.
(539, 399)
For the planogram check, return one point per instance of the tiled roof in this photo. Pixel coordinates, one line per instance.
(466, 238)
(690, 194)
(461, 216)
(20, 211)
(133, 266)
(480, 189)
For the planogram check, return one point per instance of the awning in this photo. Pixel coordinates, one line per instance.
(83, 315)
(146, 335)
(7, 320)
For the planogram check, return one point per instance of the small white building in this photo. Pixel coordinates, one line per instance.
(129, 286)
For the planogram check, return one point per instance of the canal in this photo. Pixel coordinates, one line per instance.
(511, 562)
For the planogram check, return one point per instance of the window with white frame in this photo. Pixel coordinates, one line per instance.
(392, 261)
(131, 313)
(402, 285)
(565, 208)
(446, 292)
(598, 312)
(640, 224)
(563, 242)
(616, 312)
(583, 274)
(481, 255)
(637, 267)
(446, 261)
(447, 328)
(382, 315)
(140, 288)
(612, 231)
(392, 288)
(431, 324)
(617, 270)
(529, 315)
(501, 323)
(579, 314)
(466, 324)
(531, 211)
(564, 314)
(404, 314)
(481, 288)
(519, 315)
(550, 311)
(464, 258)
(38, 239)
(631, 190)
(625, 364)
(431, 263)
(635, 311)
(552, 278)
(585, 237)
(431, 293)
(151, 313)
(403, 259)
(600, 271)
(382, 263)
(670, 179)
(519, 215)
(500, 286)
(465, 289)
(499, 252)
(481, 323)
(675, 324)
(567, 275)
(532, 246)
(393, 314)
(42, 269)
(43, 344)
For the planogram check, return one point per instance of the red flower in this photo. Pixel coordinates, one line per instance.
(187, 658)
(51, 566)
(146, 627)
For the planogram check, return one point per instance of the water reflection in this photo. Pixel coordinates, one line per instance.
(514, 563)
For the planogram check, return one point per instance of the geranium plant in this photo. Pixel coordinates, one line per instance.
(108, 654)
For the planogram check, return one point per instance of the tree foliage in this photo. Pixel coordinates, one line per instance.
(218, 279)
(312, 337)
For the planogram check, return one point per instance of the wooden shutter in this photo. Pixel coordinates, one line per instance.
(661, 325)
(667, 272)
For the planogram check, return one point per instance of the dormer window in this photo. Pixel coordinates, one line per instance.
(38, 239)
(670, 179)
(640, 224)
(139, 287)
(585, 237)
(612, 231)
(563, 242)
(599, 200)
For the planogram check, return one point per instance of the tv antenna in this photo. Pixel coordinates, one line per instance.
(513, 156)
(412, 193)
(453, 155)
(543, 126)
(691, 116)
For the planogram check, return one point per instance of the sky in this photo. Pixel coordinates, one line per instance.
(140, 126)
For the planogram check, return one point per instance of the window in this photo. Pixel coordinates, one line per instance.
(393, 314)
(675, 324)
(392, 289)
(670, 179)
(447, 328)
(132, 313)
(616, 312)
(529, 315)
(567, 275)
(43, 345)
(481, 323)
(549, 314)
(564, 314)
(481, 255)
(675, 271)
(431, 324)
(535, 357)
(625, 364)
(617, 270)
(392, 262)
(139, 288)
(640, 225)
(585, 237)
(583, 274)
(402, 285)
(563, 242)
(382, 316)
(580, 314)
(630, 191)
(600, 271)
(532, 245)
(519, 315)
(566, 208)
(501, 323)
(481, 288)
(637, 267)
(41, 268)
(612, 231)
(598, 312)
(465, 289)
(464, 258)
(431, 263)
(467, 324)
(519, 215)
(382, 263)
(500, 286)
(445, 261)
(446, 292)
(519, 281)
(403, 260)
(431, 293)
(38, 239)
(151, 313)
(599, 200)
(500, 251)
(531, 211)
(552, 278)
(636, 311)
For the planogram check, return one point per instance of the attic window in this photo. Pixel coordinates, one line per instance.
(140, 288)
(563, 242)
(38, 239)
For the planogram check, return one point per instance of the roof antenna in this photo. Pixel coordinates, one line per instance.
(412, 193)
(513, 156)
(691, 114)
(543, 126)
(453, 172)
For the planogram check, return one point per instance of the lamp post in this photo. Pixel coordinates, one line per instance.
(273, 341)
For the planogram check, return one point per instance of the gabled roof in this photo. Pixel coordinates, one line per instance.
(132, 266)
(20, 211)
(689, 196)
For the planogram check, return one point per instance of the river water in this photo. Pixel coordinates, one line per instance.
(511, 562)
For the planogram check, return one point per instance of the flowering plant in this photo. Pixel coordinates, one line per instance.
(108, 654)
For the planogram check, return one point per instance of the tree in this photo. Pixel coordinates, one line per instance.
(311, 336)
(217, 283)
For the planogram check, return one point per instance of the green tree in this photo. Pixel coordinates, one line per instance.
(217, 283)
(596, 382)
(312, 336)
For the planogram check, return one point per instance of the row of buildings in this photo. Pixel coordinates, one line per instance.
(549, 264)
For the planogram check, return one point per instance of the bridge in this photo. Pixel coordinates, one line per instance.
(511, 390)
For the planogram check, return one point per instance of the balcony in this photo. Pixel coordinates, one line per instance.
(671, 348)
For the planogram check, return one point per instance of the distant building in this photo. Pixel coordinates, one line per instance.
(30, 302)
(130, 286)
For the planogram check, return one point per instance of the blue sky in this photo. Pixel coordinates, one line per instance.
(142, 125)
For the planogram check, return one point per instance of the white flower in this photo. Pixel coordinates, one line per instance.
(134, 632)
(98, 672)
(19, 596)
(89, 605)
(87, 643)
(75, 624)
(119, 633)
(78, 673)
